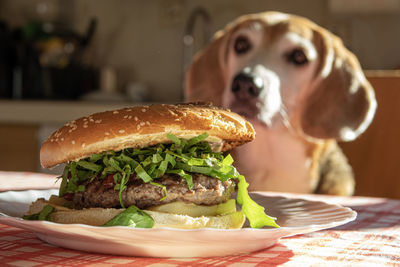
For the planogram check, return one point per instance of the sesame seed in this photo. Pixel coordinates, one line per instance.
(126, 116)
(73, 142)
(144, 110)
(136, 118)
(129, 117)
(52, 140)
(85, 119)
(70, 131)
(115, 112)
(129, 109)
(97, 121)
(62, 139)
(85, 126)
(142, 123)
(91, 120)
(83, 144)
(147, 122)
(121, 131)
(107, 133)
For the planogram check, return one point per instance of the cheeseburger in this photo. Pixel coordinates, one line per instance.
(150, 166)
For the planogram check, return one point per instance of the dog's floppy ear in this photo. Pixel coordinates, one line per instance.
(342, 103)
(206, 76)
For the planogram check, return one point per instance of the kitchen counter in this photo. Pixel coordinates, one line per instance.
(51, 112)
(382, 73)
(25, 124)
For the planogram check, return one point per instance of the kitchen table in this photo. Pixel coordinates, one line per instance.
(373, 239)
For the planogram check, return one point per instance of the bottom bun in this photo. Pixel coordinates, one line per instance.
(99, 216)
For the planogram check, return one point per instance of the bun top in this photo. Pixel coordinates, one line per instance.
(143, 126)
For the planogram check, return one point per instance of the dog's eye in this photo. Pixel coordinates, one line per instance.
(297, 57)
(242, 45)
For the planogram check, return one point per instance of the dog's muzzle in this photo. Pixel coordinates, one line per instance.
(256, 94)
(246, 89)
(246, 86)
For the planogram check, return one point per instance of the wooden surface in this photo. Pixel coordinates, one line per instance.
(19, 147)
(375, 155)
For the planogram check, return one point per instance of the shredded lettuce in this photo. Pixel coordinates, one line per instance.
(163, 187)
(181, 157)
(89, 165)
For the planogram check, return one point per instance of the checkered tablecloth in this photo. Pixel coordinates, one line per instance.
(373, 239)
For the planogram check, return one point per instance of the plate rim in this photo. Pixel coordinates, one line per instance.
(264, 194)
(192, 241)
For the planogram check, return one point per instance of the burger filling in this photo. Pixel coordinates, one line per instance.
(184, 170)
(205, 191)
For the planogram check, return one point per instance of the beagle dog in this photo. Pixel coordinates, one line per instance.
(302, 90)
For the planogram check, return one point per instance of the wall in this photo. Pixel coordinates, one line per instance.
(145, 43)
(142, 40)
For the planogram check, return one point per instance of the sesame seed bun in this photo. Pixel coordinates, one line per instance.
(143, 126)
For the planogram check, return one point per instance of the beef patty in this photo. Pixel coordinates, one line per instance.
(206, 191)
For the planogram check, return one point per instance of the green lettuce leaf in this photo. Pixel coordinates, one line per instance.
(43, 215)
(163, 188)
(196, 139)
(141, 172)
(133, 217)
(253, 212)
(174, 139)
(64, 182)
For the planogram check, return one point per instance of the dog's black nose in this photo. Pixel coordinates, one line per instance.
(246, 86)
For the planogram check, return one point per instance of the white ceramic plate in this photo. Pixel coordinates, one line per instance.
(296, 216)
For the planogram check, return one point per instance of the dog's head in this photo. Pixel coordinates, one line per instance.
(273, 65)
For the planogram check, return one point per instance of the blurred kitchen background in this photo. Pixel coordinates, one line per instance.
(62, 59)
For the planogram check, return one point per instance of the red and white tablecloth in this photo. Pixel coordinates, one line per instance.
(373, 239)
